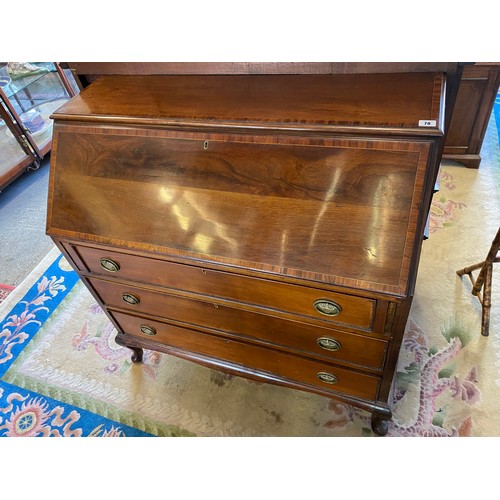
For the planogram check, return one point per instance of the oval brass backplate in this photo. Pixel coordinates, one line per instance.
(109, 265)
(329, 344)
(130, 299)
(148, 330)
(328, 378)
(327, 307)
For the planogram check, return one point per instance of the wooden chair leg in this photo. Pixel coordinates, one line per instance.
(484, 279)
(486, 302)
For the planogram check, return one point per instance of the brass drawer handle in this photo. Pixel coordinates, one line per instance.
(148, 330)
(327, 307)
(329, 344)
(130, 299)
(328, 378)
(109, 265)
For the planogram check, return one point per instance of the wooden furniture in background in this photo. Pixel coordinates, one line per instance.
(474, 103)
(89, 71)
(265, 225)
(484, 279)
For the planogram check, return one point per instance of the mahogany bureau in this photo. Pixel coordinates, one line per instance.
(265, 225)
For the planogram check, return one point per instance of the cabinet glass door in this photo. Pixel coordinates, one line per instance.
(34, 92)
(13, 158)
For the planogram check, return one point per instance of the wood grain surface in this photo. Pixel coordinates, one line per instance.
(345, 211)
(283, 101)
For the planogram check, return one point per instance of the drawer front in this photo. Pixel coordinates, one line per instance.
(329, 343)
(339, 309)
(254, 357)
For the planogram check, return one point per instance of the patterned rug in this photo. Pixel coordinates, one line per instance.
(62, 374)
(5, 290)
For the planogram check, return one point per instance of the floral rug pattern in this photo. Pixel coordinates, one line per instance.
(444, 210)
(27, 414)
(428, 373)
(5, 290)
(99, 334)
(62, 374)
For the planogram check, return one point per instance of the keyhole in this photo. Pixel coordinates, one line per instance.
(205, 145)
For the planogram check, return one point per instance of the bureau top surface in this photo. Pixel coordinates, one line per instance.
(390, 103)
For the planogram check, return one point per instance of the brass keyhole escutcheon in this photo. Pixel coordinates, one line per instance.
(329, 344)
(328, 378)
(327, 307)
(109, 265)
(205, 145)
(130, 299)
(148, 330)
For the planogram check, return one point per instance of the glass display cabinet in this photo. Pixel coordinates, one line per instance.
(29, 94)
(15, 153)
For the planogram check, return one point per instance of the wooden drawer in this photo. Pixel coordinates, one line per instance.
(252, 357)
(355, 311)
(349, 347)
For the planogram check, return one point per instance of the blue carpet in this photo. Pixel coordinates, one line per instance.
(26, 413)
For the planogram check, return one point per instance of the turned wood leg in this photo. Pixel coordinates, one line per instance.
(137, 352)
(380, 424)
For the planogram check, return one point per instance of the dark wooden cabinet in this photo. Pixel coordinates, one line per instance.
(266, 225)
(474, 103)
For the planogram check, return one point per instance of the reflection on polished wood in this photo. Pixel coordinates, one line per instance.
(337, 211)
(280, 101)
(209, 216)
